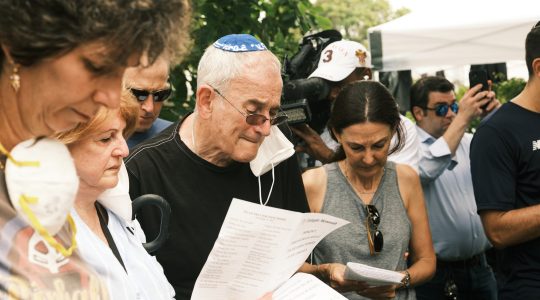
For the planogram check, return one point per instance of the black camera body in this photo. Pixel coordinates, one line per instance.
(303, 99)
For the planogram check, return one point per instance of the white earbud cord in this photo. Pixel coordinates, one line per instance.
(269, 192)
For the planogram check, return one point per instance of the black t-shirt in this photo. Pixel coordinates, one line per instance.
(505, 166)
(199, 194)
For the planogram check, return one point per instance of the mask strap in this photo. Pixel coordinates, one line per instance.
(269, 192)
(4, 151)
(24, 201)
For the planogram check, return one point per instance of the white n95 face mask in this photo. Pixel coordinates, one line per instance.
(42, 184)
(274, 149)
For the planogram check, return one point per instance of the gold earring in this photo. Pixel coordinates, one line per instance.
(15, 78)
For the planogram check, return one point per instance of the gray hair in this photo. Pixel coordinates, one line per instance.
(218, 67)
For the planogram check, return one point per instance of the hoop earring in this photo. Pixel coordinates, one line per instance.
(15, 79)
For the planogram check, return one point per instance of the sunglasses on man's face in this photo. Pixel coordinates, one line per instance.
(157, 96)
(373, 220)
(256, 119)
(442, 109)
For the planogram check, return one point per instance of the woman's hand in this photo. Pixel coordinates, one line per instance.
(334, 274)
(379, 292)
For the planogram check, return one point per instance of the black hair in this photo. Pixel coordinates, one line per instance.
(532, 47)
(365, 101)
(420, 90)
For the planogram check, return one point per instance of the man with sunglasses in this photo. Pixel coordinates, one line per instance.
(505, 164)
(203, 161)
(456, 228)
(150, 86)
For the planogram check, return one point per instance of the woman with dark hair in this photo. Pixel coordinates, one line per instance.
(60, 61)
(382, 200)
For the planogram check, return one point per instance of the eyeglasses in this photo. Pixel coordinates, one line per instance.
(373, 220)
(157, 96)
(442, 109)
(256, 119)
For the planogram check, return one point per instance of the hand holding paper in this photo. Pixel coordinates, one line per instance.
(371, 275)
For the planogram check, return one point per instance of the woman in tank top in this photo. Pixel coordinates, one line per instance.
(383, 201)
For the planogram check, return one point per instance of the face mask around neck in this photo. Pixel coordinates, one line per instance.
(274, 149)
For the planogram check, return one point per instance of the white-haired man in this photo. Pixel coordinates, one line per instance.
(209, 157)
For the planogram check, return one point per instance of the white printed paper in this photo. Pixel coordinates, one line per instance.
(371, 275)
(304, 286)
(258, 248)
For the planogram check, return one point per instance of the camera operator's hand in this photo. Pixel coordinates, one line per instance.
(314, 145)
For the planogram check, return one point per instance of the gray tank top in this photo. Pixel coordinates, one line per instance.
(349, 243)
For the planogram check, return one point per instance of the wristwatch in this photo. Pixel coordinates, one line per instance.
(406, 281)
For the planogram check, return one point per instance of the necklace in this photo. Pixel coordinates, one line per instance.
(346, 173)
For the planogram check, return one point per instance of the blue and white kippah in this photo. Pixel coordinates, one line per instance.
(239, 43)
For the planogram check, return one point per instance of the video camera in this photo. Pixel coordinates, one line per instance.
(303, 98)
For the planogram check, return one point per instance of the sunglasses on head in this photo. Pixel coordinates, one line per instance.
(442, 109)
(256, 119)
(375, 237)
(157, 96)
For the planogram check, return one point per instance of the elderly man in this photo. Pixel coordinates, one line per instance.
(505, 165)
(458, 236)
(201, 162)
(150, 86)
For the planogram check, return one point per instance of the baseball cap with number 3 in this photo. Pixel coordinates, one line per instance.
(340, 59)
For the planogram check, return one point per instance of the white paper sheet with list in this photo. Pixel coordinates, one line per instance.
(304, 286)
(258, 248)
(371, 275)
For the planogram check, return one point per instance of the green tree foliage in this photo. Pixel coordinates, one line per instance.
(279, 24)
(354, 17)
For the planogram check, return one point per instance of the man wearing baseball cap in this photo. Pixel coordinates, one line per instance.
(343, 62)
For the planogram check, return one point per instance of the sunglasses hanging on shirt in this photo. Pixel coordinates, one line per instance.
(375, 237)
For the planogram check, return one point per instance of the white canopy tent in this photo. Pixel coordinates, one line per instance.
(454, 33)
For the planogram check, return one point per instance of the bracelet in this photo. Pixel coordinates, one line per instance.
(406, 281)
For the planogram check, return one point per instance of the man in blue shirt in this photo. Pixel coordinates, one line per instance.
(505, 164)
(151, 87)
(458, 236)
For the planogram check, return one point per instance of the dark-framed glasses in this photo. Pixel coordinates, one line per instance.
(256, 119)
(374, 235)
(157, 96)
(442, 109)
